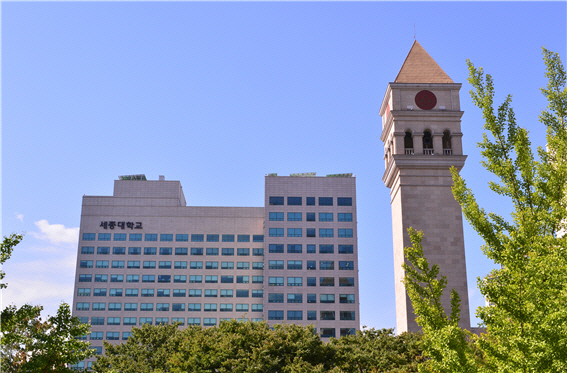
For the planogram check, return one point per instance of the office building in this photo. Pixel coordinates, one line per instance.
(144, 256)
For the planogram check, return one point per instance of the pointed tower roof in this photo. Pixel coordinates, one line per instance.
(420, 68)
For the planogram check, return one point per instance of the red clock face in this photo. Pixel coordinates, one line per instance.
(425, 100)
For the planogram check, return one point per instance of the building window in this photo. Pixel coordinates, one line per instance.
(276, 216)
(89, 236)
(446, 142)
(83, 292)
(162, 307)
(294, 315)
(257, 307)
(211, 293)
(327, 282)
(258, 238)
(117, 264)
(131, 292)
(150, 237)
(276, 232)
(294, 232)
(181, 251)
(100, 306)
(82, 306)
(195, 293)
(85, 278)
(119, 236)
(311, 298)
(275, 265)
(344, 217)
(104, 236)
(228, 238)
(310, 201)
(243, 238)
(228, 251)
(177, 307)
(242, 307)
(211, 279)
(276, 248)
(427, 142)
(112, 335)
(294, 298)
(350, 331)
(325, 216)
(275, 281)
(227, 279)
(115, 292)
(126, 335)
(195, 278)
(294, 200)
(213, 238)
(294, 216)
(115, 306)
(294, 281)
(162, 321)
(196, 251)
(165, 251)
(346, 249)
(326, 265)
(242, 265)
(326, 232)
(178, 265)
(294, 265)
(150, 250)
(193, 307)
(345, 233)
(225, 307)
(212, 251)
(242, 279)
(179, 293)
(276, 200)
(209, 322)
(310, 216)
(210, 307)
(99, 292)
(346, 282)
(101, 278)
(311, 265)
(180, 278)
(147, 293)
(147, 307)
(181, 237)
(346, 265)
(275, 315)
(327, 315)
(197, 237)
(194, 321)
(257, 265)
(258, 251)
(163, 292)
(226, 293)
(164, 265)
(257, 293)
(325, 201)
(347, 316)
(148, 320)
(326, 249)
(103, 250)
(327, 333)
(132, 278)
(327, 299)
(96, 335)
(148, 278)
(310, 232)
(344, 201)
(311, 282)
(294, 248)
(258, 279)
(243, 251)
(87, 250)
(166, 237)
(311, 315)
(311, 249)
(149, 264)
(211, 265)
(227, 265)
(134, 250)
(135, 237)
(101, 264)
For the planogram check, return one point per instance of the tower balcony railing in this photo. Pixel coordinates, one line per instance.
(428, 151)
(409, 151)
(447, 152)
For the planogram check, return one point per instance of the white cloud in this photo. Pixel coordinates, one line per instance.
(19, 216)
(56, 233)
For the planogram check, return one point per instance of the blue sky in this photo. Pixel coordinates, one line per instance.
(214, 92)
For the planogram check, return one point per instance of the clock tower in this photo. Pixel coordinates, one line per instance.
(421, 132)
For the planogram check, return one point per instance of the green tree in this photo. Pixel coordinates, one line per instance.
(526, 320)
(377, 351)
(28, 344)
(6, 252)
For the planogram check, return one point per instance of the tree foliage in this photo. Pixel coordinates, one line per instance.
(253, 347)
(28, 344)
(526, 320)
(6, 252)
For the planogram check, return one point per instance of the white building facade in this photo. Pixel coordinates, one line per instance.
(144, 256)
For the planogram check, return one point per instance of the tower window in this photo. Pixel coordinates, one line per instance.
(408, 141)
(427, 143)
(447, 143)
